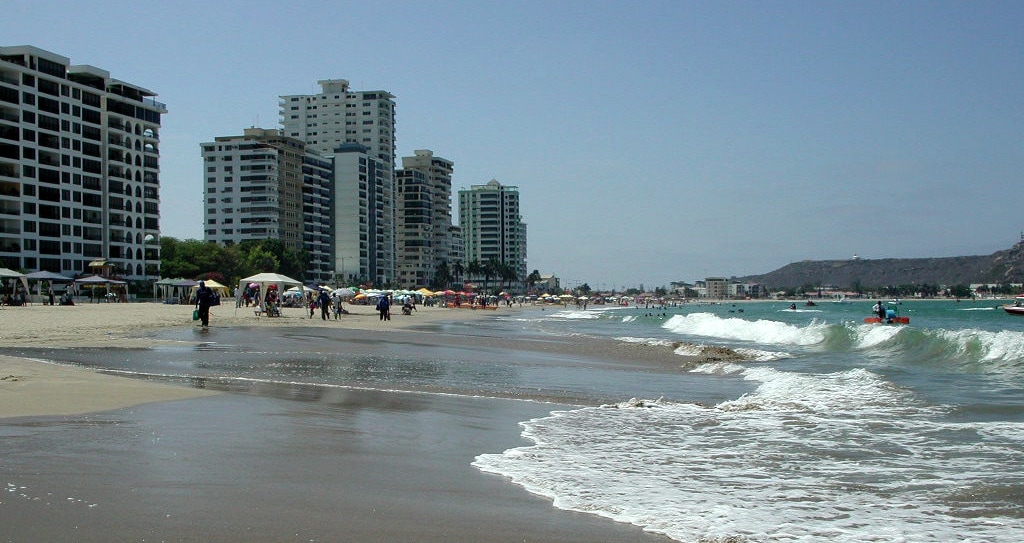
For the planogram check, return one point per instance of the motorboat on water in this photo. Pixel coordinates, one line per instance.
(1017, 307)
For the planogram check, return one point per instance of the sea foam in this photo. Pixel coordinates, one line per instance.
(844, 457)
(760, 331)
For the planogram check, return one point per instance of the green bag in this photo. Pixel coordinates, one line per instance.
(195, 314)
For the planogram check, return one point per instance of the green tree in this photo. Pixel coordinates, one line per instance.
(285, 260)
(532, 280)
(459, 270)
(256, 259)
(508, 274)
(188, 258)
(960, 291)
(474, 269)
(442, 276)
(491, 268)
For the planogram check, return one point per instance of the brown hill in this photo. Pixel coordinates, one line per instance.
(1000, 267)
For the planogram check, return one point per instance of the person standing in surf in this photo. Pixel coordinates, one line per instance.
(204, 299)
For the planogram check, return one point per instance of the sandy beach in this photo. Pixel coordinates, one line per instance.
(128, 325)
(95, 457)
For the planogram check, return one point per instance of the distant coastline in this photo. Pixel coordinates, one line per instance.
(1001, 267)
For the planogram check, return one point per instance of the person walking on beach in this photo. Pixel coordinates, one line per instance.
(384, 306)
(324, 301)
(204, 299)
(337, 306)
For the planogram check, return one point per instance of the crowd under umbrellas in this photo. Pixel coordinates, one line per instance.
(267, 293)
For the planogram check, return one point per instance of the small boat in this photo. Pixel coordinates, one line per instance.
(1017, 308)
(887, 320)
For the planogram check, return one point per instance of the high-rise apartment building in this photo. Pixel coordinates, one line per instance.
(263, 185)
(79, 168)
(332, 122)
(492, 227)
(424, 207)
(363, 217)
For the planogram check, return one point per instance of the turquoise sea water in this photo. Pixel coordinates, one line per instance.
(848, 432)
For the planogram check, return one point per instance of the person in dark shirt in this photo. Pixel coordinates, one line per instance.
(204, 299)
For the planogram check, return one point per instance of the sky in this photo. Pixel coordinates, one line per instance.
(650, 141)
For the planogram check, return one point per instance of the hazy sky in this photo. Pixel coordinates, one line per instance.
(651, 141)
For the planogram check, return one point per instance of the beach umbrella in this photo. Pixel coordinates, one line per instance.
(344, 292)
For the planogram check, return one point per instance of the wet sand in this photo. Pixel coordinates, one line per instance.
(150, 461)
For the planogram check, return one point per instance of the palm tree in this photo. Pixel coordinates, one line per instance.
(442, 276)
(508, 274)
(458, 270)
(474, 269)
(490, 269)
(532, 280)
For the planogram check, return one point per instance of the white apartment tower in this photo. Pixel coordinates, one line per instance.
(79, 168)
(364, 251)
(332, 122)
(263, 185)
(492, 227)
(424, 207)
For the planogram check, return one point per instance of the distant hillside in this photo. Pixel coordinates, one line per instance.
(1000, 267)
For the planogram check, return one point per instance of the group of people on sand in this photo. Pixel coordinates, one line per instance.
(328, 304)
(324, 300)
(384, 307)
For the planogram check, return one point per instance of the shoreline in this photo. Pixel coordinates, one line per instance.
(32, 387)
(92, 457)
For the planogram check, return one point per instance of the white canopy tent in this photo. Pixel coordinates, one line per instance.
(8, 276)
(174, 291)
(263, 281)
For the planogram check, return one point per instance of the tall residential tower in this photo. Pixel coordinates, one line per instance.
(492, 227)
(354, 126)
(262, 185)
(424, 207)
(79, 168)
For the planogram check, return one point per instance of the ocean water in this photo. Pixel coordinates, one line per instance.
(847, 432)
(801, 425)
